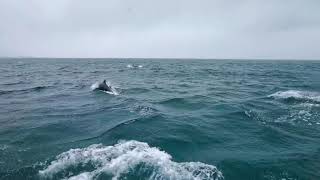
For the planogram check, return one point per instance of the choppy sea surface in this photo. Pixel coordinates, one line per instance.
(167, 119)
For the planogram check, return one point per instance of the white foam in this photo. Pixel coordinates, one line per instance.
(309, 105)
(303, 95)
(134, 66)
(301, 114)
(94, 86)
(141, 110)
(113, 91)
(122, 158)
(3, 147)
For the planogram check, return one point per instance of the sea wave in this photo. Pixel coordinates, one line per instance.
(299, 108)
(124, 160)
(32, 89)
(13, 83)
(299, 95)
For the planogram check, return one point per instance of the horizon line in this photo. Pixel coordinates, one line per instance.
(153, 58)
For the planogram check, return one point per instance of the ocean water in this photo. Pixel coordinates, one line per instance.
(166, 119)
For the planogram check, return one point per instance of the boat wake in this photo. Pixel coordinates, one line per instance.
(125, 160)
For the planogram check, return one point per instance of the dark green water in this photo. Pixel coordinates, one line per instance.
(172, 119)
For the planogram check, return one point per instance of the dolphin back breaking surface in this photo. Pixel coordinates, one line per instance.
(104, 87)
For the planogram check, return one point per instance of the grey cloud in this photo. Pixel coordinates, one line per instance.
(193, 29)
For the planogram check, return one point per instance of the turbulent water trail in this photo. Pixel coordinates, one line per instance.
(124, 160)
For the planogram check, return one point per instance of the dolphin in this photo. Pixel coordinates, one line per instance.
(104, 86)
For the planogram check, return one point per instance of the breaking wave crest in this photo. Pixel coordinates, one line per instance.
(298, 95)
(134, 66)
(297, 108)
(125, 160)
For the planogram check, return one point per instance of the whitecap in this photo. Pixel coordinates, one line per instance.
(301, 95)
(3, 147)
(304, 111)
(121, 160)
(134, 66)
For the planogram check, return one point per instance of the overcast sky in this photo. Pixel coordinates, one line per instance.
(275, 29)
